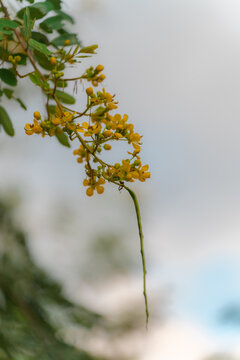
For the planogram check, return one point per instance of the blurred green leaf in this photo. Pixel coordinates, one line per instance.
(21, 103)
(52, 109)
(65, 98)
(8, 93)
(40, 37)
(42, 48)
(35, 78)
(65, 16)
(52, 23)
(6, 122)
(43, 61)
(28, 24)
(8, 77)
(56, 4)
(38, 10)
(63, 139)
(7, 26)
(60, 40)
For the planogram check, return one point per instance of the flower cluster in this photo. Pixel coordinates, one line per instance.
(98, 133)
(94, 75)
(59, 122)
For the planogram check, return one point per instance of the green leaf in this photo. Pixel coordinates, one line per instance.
(63, 139)
(3, 53)
(42, 48)
(40, 37)
(52, 23)
(28, 24)
(38, 10)
(6, 122)
(89, 49)
(7, 26)
(52, 109)
(8, 93)
(65, 16)
(65, 98)
(43, 61)
(56, 4)
(60, 40)
(35, 78)
(8, 77)
(21, 103)
(62, 84)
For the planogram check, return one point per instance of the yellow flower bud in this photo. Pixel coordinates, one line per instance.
(100, 189)
(67, 42)
(107, 147)
(101, 77)
(89, 191)
(99, 68)
(37, 115)
(53, 60)
(89, 91)
(10, 58)
(85, 182)
(18, 58)
(101, 181)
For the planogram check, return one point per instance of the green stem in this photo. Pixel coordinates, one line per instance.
(137, 209)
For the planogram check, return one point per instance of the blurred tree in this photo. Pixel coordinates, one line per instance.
(34, 314)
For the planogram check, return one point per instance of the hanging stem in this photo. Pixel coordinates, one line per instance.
(137, 209)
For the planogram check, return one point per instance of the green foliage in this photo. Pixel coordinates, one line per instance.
(6, 123)
(32, 306)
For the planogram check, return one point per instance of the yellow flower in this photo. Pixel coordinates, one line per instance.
(56, 121)
(143, 174)
(28, 129)
(112, 106)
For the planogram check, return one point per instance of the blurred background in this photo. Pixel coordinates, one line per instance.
(174, 66)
